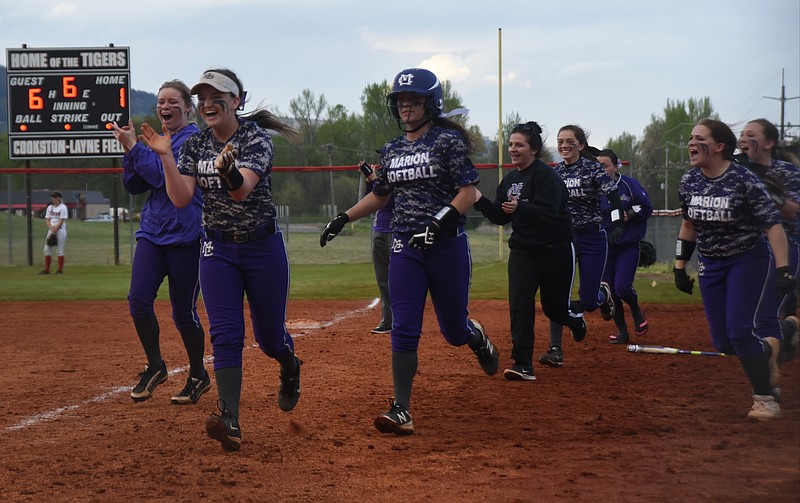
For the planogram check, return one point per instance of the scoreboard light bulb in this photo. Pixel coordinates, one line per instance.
(68, 127)
(23, 127)
(109, 126)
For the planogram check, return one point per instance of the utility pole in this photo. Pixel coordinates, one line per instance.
(330, 147)
(783, 99)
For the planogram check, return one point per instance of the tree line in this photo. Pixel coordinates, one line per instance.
(333, 135)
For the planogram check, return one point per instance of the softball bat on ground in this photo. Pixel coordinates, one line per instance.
(664, 350)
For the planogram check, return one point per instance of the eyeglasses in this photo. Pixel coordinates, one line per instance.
(410, 104)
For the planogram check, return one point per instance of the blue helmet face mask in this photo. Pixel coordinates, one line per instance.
(417, 81)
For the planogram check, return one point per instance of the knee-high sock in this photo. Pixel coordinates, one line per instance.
(194, 339)
(555, 333)
(404, 368)
(633, 301)
(60, 262)
(619, 317)
(149, 333)
(229, 387)
(47, 261)
(757, 370)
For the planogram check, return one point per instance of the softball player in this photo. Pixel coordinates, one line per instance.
(586, 181)
(55, 217)
(726, 210)
(428, 172)
(242, 251)
(534, 199)
(167, 245)
(758, 147)
(381, 251)
(623, 245)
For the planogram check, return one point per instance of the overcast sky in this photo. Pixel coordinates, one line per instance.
(607, 65)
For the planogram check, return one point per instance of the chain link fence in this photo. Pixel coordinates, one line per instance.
(307, 199)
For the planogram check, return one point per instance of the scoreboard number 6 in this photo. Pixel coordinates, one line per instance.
(35, 102)
(68, 90)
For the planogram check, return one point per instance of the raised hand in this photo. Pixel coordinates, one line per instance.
(160, 144)
(126, 135)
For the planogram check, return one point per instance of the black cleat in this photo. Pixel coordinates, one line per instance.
(487, 354)
(397, 420)
(607, 308)
(579, 329)
(148, 380)
(554, 357)
(224, 428)
(193, 390)
(289, 390)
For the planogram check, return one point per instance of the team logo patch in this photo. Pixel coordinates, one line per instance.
(405, 79)
(514, 191)
(397, 245)
(208, 249)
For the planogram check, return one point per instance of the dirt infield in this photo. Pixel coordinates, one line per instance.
(608, 426)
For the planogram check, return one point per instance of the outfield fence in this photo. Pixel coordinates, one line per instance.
(307, 197)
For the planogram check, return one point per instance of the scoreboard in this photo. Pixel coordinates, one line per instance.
(62, 101)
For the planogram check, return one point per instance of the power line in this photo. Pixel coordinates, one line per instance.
(783, 99)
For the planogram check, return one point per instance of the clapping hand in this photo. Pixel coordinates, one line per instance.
(160, 144)
(125, 135)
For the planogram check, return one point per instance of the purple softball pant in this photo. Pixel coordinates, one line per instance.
(444, 269)
(228, 271)
(591, 250)
(789, 304)
(733, 289)
(151, 264)
(772, 307)
(621, 267)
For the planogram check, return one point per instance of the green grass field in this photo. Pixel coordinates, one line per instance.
(327, 281)
(91, 273)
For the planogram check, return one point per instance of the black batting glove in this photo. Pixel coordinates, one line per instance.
(682, 280)
(615, 233)
(784, 280)
(445, 217)
(333, 228)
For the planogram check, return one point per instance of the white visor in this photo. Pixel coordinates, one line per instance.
(218, 81)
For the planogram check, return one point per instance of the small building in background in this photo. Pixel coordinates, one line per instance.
(82, 204)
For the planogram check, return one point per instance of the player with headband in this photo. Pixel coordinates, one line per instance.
(243, 252)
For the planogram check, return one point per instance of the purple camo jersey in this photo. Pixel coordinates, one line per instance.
(586, 180)
(730, 213)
